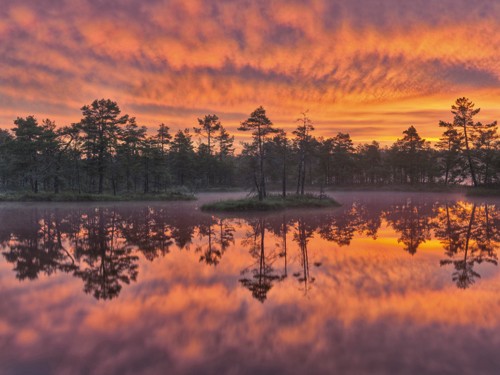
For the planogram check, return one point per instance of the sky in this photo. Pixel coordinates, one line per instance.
(370, 68)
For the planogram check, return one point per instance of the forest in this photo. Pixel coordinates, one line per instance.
(108, 152)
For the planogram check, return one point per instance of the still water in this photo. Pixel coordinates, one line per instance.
(387, 283)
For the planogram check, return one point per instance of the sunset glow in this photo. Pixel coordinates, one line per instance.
(369, 68)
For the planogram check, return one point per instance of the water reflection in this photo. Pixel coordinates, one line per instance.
(470, 235)
(216, 237)
(102, 246)
(260, 277)
(413, 221)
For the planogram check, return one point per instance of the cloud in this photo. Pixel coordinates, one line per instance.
(231, 56)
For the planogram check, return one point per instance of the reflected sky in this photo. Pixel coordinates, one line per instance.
(385, 283)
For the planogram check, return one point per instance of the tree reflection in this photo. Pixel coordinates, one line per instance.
(413, 221)
(358, 218)
(102, 245)
(37, 247)
(263, 275)
(106, 260)
(219, 236)
(148, 230)
(302, 235)
(470, 235)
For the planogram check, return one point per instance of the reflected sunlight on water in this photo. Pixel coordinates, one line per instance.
(385, 283)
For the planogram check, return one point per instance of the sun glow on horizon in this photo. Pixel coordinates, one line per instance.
(363, 68)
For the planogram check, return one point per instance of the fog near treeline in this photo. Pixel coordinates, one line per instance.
(108, 152)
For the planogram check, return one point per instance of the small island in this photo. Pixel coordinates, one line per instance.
(272, 203)
(173, 195)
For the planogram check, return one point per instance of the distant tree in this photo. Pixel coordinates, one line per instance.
(342, 158)
(182, 156)
(411, 152)
(6, 140)
(303, 143)
(101, 125)
(207, 126)
(486, 143)
(369, 162)
(225, 157)
(324, 152)
(280, 148)
(226, 142)
(449, 148)
(261, 127)
(463, 121)
(33, 149)
(163, 137)
(132, 138)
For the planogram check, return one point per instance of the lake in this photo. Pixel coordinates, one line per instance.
(386, 283)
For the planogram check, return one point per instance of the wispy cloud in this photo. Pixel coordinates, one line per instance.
(170, 61)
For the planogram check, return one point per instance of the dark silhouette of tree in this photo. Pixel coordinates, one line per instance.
(225, 156)
(370, 163)
(278, 149)
(449, 147)
(463, 122)
(486, 143)
(163, 138)
(101, 125)
(110, 152)
(32, 150)
(411, 152)
(303, 144)
(182, 157)
(208, 125)
(129, 152)
(342, 159)
(261, 127)
(6, 163)
(207, 128)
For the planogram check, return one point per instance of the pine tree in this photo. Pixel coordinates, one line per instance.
(261, 127)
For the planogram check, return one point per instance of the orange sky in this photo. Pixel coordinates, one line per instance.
(368, 67)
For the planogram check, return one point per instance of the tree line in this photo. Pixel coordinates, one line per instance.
(108, 152)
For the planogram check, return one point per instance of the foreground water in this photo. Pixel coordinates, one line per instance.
(387, 283)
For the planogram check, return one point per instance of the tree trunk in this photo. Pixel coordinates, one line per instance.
(469, 158)
(284, 173)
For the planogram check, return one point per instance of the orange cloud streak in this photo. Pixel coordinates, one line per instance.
(360, 68)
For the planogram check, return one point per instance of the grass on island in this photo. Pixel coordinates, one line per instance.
(271, 203)
(483, 192)
(75, 197)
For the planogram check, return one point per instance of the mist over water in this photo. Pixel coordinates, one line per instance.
(386, 283)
